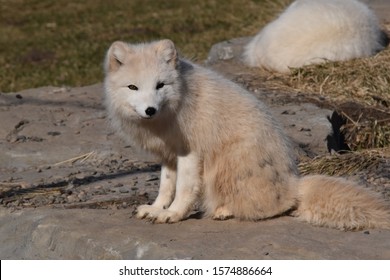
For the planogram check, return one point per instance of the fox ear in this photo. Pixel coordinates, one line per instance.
(167, 50)
(116, 56)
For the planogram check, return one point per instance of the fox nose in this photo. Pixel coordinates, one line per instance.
(150, 111)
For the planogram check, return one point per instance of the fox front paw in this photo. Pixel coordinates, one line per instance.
(144, 211)
(158, 215)
(167, 216)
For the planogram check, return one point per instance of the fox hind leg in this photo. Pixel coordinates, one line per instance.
(222, 213)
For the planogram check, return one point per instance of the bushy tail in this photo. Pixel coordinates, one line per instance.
(339, 203)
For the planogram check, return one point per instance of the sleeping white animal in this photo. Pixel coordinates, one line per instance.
(315, 31)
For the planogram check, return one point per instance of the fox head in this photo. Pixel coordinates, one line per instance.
(142, 80)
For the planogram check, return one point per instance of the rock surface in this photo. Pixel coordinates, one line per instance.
(68, 185)
(110, 234)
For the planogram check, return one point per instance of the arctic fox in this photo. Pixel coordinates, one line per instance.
(315, 31)
(219, 146)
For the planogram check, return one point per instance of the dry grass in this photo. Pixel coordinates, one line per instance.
(364, 80)
(345, 164)
(81, 158)
(367, 134)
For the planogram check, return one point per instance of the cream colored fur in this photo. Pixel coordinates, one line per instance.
(314, 31)
(218, 145)
(338, 203)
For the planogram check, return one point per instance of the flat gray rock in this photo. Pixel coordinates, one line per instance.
(108, 234)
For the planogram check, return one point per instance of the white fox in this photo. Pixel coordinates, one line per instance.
(315, 31)
(219, 145)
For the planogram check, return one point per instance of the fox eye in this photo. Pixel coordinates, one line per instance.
(132, 87)
(160, 85)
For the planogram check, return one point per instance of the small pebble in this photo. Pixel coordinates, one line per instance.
(72, 198)
(82, 196)
(51, 199)
(80, 176)
(142, 193)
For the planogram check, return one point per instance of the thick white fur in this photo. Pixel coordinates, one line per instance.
(314, 31)
(219, 145)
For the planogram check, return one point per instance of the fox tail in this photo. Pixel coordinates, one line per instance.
(339, 203)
